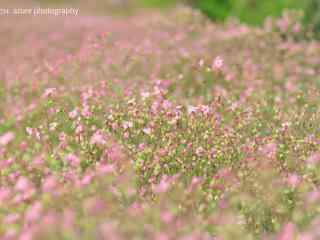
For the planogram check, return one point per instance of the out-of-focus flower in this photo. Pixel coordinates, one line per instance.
(293, 180)
(191, 109)
(34, 212)
(217, 63)
(29, 131)
(163, 186)
(23, 184)
(86, 112)
(314, 159)
(6, 138)
(73, 114)
(73, 159)
(288, 232)
(147, 131)
(269, 150)
(126, 125)
(98, 138)
(49, 92)
(53, 126)
(49, 184)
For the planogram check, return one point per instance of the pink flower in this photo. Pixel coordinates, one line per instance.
(49, 92)
(73, 114)
(23, 184)
(109, 230)
(23, 146)
(29, 131)
(4, 194)
(217, 63)
(314, 158)
(94, 205)
(199, 151)
(288, 232)
(166, 104)
(191, 109)
(135, 209)
(98, 139)
(79, 129)
(68, 218)
(86, 112)
(49, 184)
(313, 197)
(269, 150)
(163, 186)
(105, 168)
(34, 212)
(6, 138)
(11, 218)
(167, 217)
(306, 236)
(205, 109)
(194, 183)
(86, 179)
(162, 236)
(293, 180)
(72, 159)
(127, 125)
(27, 235)
(283, 24)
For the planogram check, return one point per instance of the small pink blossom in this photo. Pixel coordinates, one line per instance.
(29, 131)
(34, 212)
(5, 194)
(217, 63)
(98, 138)
(126, 125)
(191, 109)
(49, 92)
(167, 217)
(314, 159)
(163, 186)
(6, 138)
(166, 104)
(86, 112)
(11, 218)
(73, 114)
(94, 205)
(288, 232)
(306, 236)
(79, 129)
(49, 184)
(23, 184)
(269, 150)
(86, 179)
(199, 151)
(313, 197)
(72, 159)
(293, 180)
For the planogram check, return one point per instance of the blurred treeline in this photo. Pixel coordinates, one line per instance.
(250, 11)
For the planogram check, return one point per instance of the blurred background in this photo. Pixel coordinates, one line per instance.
(253, 12)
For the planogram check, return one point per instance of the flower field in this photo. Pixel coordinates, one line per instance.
(161, 125)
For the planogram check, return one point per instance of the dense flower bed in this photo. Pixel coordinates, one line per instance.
(174, 128)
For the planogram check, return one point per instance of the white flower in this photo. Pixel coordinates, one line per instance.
(192, 109)
(147, 131)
